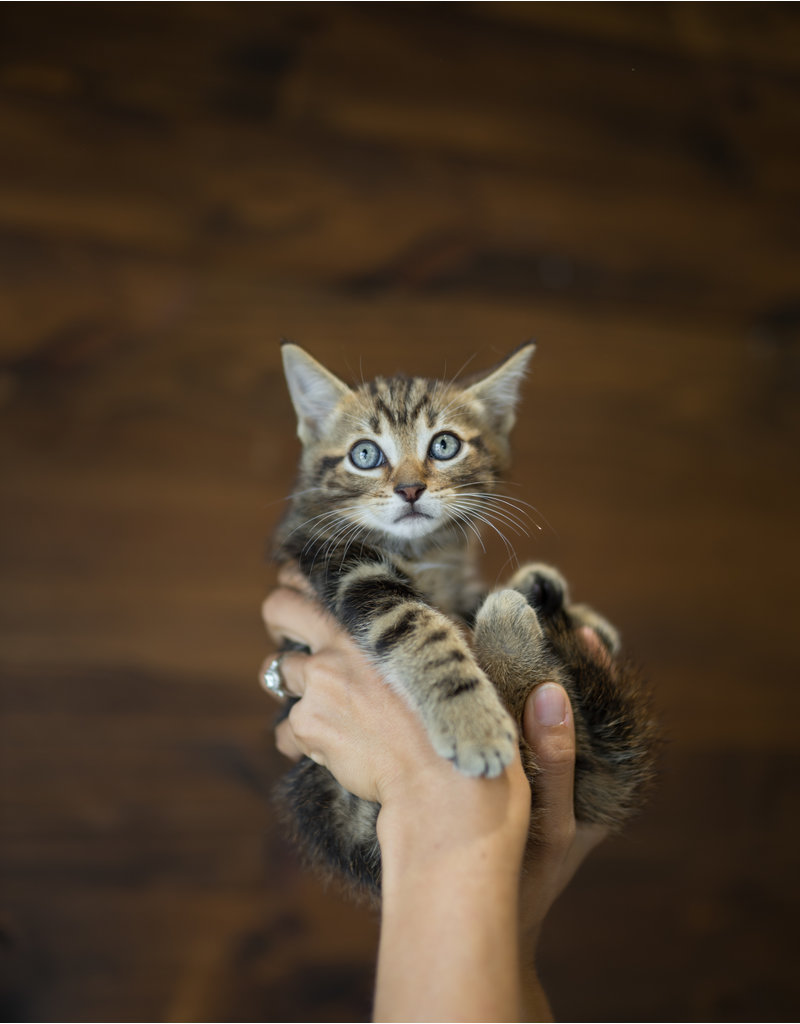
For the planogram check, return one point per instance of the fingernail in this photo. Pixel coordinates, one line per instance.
(550, 704)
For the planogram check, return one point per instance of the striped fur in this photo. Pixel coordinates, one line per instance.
(396, 478)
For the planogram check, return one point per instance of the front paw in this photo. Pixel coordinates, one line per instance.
(475, 733)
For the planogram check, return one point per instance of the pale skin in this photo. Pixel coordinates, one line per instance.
(460, 918)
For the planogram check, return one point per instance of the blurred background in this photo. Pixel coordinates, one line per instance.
(395, 187)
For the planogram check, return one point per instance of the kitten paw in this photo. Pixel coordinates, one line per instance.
(504, 622)
(511, 648)
(543, 586)
(479, 737)
(509, 639)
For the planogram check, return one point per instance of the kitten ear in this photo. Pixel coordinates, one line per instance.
(499, 388)
(315, 391)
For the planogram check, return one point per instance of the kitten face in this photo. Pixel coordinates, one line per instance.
(410, 462)
(400, 459)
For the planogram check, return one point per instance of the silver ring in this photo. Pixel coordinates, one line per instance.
(272, 680)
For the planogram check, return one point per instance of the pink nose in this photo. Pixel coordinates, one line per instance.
(409, 492)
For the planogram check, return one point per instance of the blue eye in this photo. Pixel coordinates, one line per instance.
(444, 446)
(366, 455)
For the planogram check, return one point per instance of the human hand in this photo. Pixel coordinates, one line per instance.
(560, 844)
(352, 722)
(349, 719)
(372, 742)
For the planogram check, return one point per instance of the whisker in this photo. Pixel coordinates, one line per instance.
(500, 514)
(449, 383)
(524, 508)
(322, 527)
(459, 518)
(470, 509)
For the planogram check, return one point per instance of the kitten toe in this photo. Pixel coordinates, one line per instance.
(504, 618)
(511, 648)
(480, 741)
(543, 586)
(487, 762)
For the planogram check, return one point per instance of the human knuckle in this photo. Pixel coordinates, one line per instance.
(307, 717)
(285, 736)
(324, 672)
(559, 756)
(268, 607)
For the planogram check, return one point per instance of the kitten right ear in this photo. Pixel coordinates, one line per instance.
(315, 391)
(499, 388)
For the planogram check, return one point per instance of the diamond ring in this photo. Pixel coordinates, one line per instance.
(272, 680)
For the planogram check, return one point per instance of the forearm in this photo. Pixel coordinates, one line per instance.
(451, 846)
(449, 946)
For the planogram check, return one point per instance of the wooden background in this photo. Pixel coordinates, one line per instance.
(395, 186)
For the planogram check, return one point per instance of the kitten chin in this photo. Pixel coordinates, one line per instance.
(412, 526)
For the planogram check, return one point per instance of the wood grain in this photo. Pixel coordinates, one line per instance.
(396, 186)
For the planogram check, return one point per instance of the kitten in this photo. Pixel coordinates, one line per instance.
(396, 476)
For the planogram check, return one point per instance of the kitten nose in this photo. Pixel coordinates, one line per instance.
(409, 492)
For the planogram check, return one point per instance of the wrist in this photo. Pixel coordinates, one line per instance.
(451, 851)
(445, 818)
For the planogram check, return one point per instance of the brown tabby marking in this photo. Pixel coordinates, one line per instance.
(396, 477)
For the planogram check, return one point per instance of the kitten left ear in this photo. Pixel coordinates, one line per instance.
(315, 391)
(499, 388)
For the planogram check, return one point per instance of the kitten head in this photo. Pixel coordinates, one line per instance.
(402, 459)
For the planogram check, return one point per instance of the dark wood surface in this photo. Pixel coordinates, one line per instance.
(395, 186)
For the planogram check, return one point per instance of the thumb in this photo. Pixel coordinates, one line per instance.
(549, 729)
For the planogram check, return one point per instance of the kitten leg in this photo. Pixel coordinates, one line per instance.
(582, 615)
(546, 590)
(423, 655)
(512, 649)
(543, 586)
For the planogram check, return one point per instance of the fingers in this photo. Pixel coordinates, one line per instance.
(561, 845)
(549, 729)
(290, 745)
(311, 724)
(294, 681)
(291, 669)
(291, 682)
(290, 576)
(596, 647)
(286, 741)
(294, 616)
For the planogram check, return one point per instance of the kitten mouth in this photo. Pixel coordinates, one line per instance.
(412, 513)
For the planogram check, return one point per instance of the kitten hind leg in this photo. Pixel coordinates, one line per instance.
(543, 586)
(511, 647)
(546, 590)
(583, 615)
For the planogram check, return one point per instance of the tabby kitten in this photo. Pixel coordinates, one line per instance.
(396, 477)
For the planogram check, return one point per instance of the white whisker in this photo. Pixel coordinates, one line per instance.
(484, 504)
(511, 521)
(459, 518)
